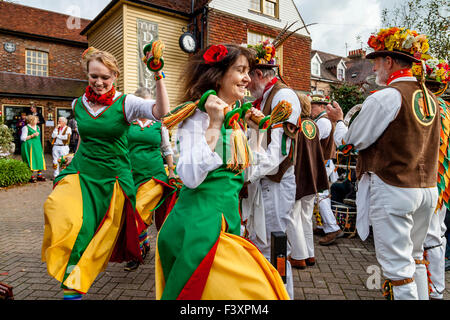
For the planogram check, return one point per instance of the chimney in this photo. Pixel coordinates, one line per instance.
(357, 54)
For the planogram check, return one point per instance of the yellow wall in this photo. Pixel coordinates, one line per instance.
(169, 30)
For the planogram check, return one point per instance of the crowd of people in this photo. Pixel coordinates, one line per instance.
(236, 187)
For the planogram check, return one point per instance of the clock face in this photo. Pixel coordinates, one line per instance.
(188, 43)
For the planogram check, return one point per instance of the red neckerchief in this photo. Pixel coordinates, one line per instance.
(104, 99)
(398, 74)
(257, 103)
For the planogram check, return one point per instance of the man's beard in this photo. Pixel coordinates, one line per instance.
(258, 91)
(381, 77)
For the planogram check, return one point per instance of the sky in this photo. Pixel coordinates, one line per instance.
(339, 21)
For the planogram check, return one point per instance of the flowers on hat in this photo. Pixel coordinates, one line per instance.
(265, 52)
(399, 39)
(215, 53)
(320, 99)
(436, 69)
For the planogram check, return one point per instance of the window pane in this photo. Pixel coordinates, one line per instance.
(269, 8)
(255, 5)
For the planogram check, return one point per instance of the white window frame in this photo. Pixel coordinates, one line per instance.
(316, 60)
(38, 60)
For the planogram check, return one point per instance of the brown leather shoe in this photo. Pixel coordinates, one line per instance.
(310, 262)
(299, 264)
(318, 232)
(329, 238)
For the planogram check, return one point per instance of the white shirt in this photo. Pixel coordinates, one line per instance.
(59, 136)
(377, 112)
(324, 125)
(135, 107)
(166, 148)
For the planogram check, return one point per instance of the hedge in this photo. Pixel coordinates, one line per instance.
(13, 172)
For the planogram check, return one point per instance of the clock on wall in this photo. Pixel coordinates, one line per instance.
(188, 43)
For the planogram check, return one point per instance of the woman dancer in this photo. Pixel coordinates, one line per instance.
(155, 198)
(90, 216)
(200, 254)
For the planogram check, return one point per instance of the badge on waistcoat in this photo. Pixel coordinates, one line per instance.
(419, 108)
(309, 129)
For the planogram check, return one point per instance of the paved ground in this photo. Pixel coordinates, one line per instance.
(346, 270)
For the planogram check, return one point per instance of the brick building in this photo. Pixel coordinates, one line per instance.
(133, 23)
(40, 64)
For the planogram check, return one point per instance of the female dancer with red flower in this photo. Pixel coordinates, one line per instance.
(200, 254)
(90, 216)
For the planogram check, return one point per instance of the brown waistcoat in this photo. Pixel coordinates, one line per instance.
(328, 145)
(310, 173)
(406, 154)
(267, 110)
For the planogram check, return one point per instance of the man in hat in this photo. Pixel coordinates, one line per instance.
(435, 242)
(271, 192)
(330, 229)
(397, 136)
(60, 141)
(311, 178)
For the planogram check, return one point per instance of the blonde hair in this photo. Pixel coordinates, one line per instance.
(30, 118)
(305, 102)
(91, 54)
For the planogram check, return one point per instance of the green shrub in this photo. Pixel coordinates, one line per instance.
(13, 172)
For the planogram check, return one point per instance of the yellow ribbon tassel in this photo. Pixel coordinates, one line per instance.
(241, 155)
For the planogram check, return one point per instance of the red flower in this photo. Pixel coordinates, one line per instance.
(215, 54)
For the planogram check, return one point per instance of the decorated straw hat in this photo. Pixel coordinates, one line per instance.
(398, 42)
(265, 51)
(320, 99)
(436, 73)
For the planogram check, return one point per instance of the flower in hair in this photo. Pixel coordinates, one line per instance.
(215, 53)
(88, 51)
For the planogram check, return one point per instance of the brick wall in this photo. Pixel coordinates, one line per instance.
(226, 28)
(64, 60)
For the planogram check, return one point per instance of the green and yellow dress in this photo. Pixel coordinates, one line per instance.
(31, 150)
(90, 216)
(153, 192)
(200, 254)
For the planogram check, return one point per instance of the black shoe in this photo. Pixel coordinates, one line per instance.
(131, 265)
(145, 250)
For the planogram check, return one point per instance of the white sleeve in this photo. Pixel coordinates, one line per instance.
(166, 147)
(73, 103)
(136, 107)
(24, 134)
(339, 133)
(377, 112)
(196, 158)
(55, 133)
(325, 128)
(268, 161)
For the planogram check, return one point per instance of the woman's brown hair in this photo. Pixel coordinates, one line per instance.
(199, 77)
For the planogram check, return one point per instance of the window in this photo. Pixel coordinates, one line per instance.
(340, 74)
(268, 7)
(36, 63)
(315, 68)
(255, 5)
